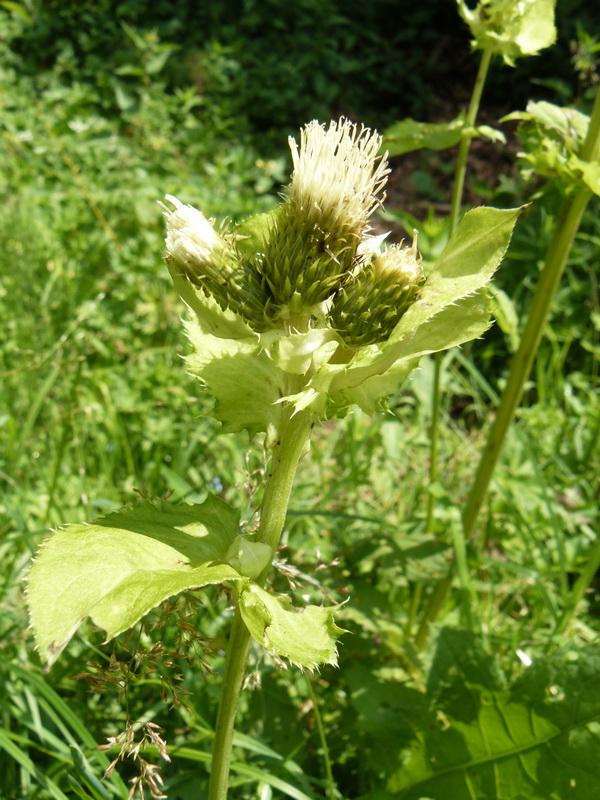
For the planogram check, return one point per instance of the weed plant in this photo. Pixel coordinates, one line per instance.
(96, 406)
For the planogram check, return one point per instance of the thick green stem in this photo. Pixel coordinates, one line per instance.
(457, 193)
(556, 259)
(287, 449)
(568, 222)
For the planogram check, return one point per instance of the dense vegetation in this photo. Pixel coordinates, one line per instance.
(108, 106)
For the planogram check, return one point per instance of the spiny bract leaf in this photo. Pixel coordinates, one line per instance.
(537, 740)
(245, 383)
(305, 637)
(124, 565)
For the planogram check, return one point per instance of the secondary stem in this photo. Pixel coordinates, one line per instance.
(286, 451)
(457, 194)
(556, 258)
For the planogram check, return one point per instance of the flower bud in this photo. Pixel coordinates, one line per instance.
(373, 300)
(209, 261)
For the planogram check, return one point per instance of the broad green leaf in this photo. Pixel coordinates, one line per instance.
(536, 740)
(511, 28)
(246, 384)
(125, 564)
(387, 714)
(306, 637)
(408, 135)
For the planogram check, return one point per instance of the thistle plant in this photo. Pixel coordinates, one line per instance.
(295, 316)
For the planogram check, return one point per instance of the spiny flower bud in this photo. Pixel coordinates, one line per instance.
(373, 300)
(211, 262)
(332, 194)
(191, 240)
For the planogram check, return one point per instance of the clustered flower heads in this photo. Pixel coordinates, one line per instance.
(308, 264)
(303, 307)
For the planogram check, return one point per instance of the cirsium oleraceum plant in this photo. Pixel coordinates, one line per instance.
(308, 309)
(295, 316)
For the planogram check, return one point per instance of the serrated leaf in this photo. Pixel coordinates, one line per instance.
(124, 565)
(306, 637)
(537, 739)
(246, 384)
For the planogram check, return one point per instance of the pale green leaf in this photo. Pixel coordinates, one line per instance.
(568, 123)
(487, 132)
(408, 135)
(210, 317)
(247, 557)
(124, 565)
(506, 316)
(299, 352)
(306, 637)
(252, 233)
(571, 171)
(552, 137)
(246, 384)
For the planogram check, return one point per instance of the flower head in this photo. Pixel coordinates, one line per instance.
(337, 171)
(335, 187)
(191, 239)
(374, 299)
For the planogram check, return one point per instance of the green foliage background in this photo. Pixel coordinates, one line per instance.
(105, 108)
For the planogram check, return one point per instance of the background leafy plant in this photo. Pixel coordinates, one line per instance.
(95, 403)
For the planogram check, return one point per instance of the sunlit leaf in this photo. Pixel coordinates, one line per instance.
(124, 565)
(306, 637)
